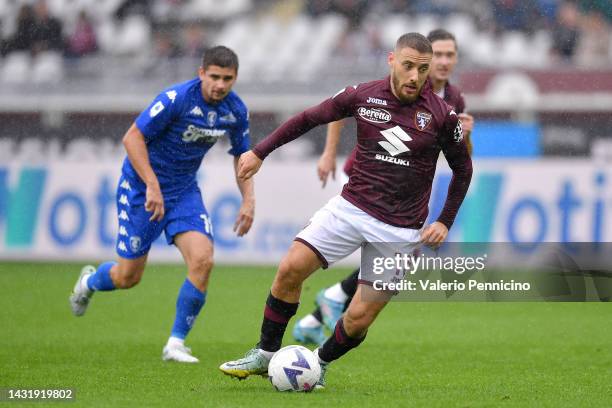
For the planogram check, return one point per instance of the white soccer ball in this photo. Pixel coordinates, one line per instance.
(294, 368)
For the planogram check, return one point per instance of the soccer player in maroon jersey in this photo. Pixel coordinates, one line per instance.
(401, 128)
(331, 302)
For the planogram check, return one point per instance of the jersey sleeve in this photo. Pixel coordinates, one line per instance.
(337, 107)
(344, 100)
(460, 108)
(458, 158)
(153, 121)
(239, 137)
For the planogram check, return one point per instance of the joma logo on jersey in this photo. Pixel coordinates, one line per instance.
(376, 101)
(374, 115)
(194, 133)
(422, 120)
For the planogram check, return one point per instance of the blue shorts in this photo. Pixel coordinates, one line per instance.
(136, 233)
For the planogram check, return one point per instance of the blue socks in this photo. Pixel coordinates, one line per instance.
(101, 280)
(188, 305)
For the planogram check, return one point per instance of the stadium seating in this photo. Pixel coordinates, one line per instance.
(16, 68)
(394, 27)
(240, 25)
(462, 26)
(325, 34)
(216, 9)
(133, 36)
(291, 57)
(48, 68)
(297, 36)
(483, 49)
(512, 89)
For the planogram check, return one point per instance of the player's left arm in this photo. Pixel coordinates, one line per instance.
(458, 158)
(240, 140)
(467, 123)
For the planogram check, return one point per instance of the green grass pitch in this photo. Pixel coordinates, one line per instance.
(416, 354)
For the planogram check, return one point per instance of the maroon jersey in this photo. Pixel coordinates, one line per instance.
(397, 150)
(452, 96)
(350, 162)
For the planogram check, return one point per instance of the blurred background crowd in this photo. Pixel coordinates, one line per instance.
(81, 69)
(566, 31)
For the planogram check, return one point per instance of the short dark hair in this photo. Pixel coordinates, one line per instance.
(220, 56)
(441, 34)
(415, 41)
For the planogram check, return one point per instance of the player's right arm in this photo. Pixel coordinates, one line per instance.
(134, 142)
(337, 107)
(327, 161)
(150, 125)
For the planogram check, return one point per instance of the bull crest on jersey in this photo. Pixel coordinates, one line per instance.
(422, 120)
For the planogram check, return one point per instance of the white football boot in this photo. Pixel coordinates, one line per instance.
(324, 365)
(174, 351)
(255, 362)
(81, 294)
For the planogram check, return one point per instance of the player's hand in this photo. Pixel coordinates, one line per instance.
(434, 235)
(467, 122)
(326, 165)
(248, 165)
(155, 202)
(246, 214)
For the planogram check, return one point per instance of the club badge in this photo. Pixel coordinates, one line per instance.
(422, 120)
(212, 118)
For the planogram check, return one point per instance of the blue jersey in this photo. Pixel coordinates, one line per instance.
(179, 127)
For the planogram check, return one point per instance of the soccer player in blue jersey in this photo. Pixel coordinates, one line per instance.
(158, 190)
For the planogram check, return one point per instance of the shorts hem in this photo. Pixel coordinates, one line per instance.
(170, 239)
(132, 256)
(371, 285)
(324, 263)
